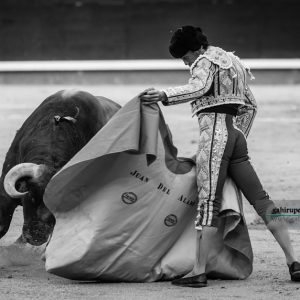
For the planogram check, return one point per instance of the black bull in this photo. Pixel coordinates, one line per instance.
(48, 139)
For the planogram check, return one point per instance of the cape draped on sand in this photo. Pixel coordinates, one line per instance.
(125, 207)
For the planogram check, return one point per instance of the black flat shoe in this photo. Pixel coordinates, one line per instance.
(295, 271)
(197, 281)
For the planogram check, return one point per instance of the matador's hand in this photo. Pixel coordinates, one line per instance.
(151, 96)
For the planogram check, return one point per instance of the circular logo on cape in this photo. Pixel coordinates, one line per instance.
(170, 220)
(129, 198)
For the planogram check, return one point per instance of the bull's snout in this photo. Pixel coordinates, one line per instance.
(37, 233)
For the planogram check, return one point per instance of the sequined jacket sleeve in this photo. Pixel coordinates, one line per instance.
(246, 113)
(198, 85)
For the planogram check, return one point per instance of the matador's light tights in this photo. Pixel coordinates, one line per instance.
(222, 152)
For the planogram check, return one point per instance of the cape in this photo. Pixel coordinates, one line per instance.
(125, 207)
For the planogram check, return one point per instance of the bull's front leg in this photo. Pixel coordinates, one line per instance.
(7, 208)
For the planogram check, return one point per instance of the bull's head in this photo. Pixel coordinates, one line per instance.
(26, 183)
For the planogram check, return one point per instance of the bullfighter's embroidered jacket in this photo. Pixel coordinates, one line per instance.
(217, 78)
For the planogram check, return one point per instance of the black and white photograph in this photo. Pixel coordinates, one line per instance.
(149, 149)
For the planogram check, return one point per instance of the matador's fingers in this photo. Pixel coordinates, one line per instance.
(145, 91)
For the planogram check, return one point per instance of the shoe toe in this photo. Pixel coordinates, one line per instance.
(193, 281)
(295, 271)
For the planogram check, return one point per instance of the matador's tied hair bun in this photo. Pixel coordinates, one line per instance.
(187, 38)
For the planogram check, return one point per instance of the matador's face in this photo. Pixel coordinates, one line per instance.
(191, 56)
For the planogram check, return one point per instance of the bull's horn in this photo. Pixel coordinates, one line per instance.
(22, 170)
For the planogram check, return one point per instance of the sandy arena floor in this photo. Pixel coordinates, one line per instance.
(274, 148)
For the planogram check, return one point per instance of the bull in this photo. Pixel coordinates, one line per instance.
(59, 127)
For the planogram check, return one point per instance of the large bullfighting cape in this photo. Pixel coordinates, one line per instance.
(125, 207)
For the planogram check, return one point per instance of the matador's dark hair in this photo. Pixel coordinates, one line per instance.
(187, 38)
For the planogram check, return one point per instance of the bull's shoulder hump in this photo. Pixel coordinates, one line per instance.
(108, 102)
(66, 94)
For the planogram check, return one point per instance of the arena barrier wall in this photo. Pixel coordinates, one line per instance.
(162, 71)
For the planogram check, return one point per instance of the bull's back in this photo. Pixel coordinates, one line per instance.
(92, 114)
(92, 110)
(107, 108)
(95, 107)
